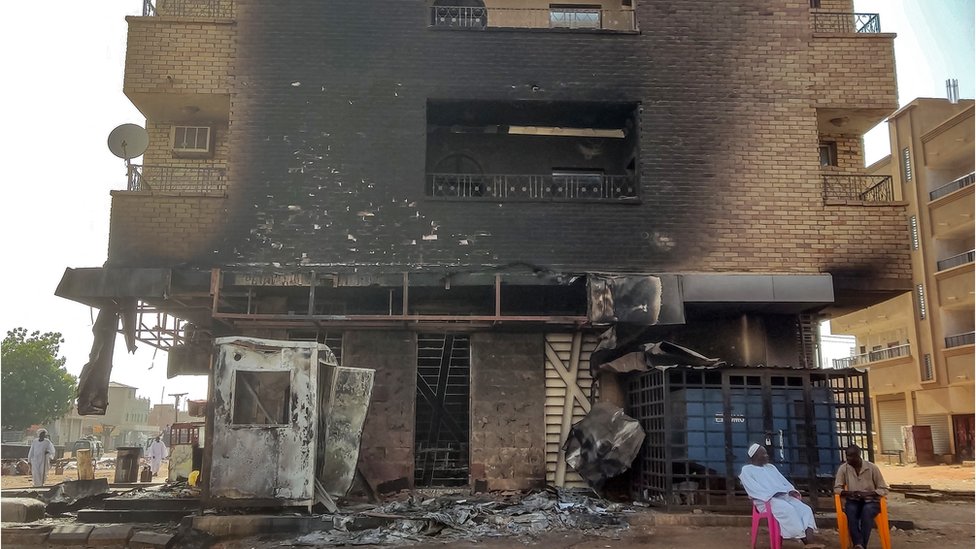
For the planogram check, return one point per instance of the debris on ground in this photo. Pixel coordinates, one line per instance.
(448, 518)
(179, 489)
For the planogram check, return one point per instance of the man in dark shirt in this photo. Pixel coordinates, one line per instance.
(861, 485)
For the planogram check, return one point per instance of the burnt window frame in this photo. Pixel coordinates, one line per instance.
(288, 397)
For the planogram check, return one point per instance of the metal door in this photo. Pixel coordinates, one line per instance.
(568, 383)
(442, 422)
(891, 418)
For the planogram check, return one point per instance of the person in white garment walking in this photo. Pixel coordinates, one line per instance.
(157, 451)
(39, 456)
(763, 482)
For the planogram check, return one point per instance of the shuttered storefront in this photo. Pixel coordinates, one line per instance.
(940, 431)
(891, 417)
(568, 384)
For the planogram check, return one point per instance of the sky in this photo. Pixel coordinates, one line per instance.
(62, 92)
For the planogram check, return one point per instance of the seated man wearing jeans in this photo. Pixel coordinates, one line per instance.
(861, 485)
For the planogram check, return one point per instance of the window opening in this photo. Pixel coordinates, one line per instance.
(262, 398)
(575, 16)
(828, 153)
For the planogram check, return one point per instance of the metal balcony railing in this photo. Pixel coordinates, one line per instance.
(475, 18)
(222, 9)
(865, 188)
(848, 23)
(182, 179)
(873, 356)
(960, 183)
(533, 188)
(954, 261)
(959, 340)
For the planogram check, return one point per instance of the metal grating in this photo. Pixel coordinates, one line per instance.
(442, 425)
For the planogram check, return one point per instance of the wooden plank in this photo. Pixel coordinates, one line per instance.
(570, 378)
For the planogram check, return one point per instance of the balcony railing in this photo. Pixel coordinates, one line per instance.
(222, 9)
(865, 188)
(954, 261)
(532, 188)
(181, 179)
(873, 356)
(959, 340)
(847, 23)
(960, 183)
(473, 18)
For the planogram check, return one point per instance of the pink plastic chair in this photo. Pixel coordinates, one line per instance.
(775, 541)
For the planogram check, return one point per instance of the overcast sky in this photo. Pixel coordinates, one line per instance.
(63, 95)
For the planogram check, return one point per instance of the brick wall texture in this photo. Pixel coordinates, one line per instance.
(197, 55)
(328, 125)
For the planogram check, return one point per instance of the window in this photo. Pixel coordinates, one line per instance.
(906, 163)
(191, 139)
(262, 398)
(828, 153)
(574, 16)
(920, 296)
(928, 372)
(913, 228)
(815, 4)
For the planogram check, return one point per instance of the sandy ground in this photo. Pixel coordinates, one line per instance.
(940, 477)
(24, 481)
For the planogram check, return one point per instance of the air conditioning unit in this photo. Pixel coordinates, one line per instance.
(192, 140)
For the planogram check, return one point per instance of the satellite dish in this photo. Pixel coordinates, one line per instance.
(128, 141)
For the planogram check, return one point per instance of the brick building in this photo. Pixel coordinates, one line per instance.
(463, 195)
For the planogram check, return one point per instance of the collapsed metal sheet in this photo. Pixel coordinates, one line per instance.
(642, 300)
(603, 444)
(95, 375)
(344, 397)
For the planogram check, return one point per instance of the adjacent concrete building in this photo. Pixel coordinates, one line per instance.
(464, 195)
(919, 346)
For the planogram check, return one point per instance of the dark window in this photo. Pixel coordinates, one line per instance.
(828, 153)
(814, 4)
(262, 398)
(928, 372)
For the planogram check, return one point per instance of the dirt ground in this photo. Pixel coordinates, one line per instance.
(939, 477)
(24, 481)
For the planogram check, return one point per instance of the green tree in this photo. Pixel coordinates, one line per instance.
(34, 385)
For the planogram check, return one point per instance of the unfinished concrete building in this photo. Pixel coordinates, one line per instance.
(464, 195)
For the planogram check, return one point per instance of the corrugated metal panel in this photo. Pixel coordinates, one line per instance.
(940, 431)
(559, 366)
(891, 418)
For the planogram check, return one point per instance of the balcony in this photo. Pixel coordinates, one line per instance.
(846, 23)
(956, 286)
(858, 189)
(874, 356)
(959, 340)
(214, 9)
(954, 261)
(853, 66)
(556, 187)
(557, 18)
(177, 179)
(948, 188)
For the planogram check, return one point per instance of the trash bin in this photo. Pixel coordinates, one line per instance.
(127, 464)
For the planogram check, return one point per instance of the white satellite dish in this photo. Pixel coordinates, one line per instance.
(128, 141)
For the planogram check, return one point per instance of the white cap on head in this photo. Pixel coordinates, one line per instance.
(753, 449)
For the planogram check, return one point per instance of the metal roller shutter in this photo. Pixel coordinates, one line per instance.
(568, 384)
(891, 417)
(940, 431)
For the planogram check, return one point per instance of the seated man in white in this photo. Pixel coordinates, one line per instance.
(763, 482)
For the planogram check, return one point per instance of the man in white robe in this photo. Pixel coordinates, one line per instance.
(157, 451)
(763, 482)
(39, 456)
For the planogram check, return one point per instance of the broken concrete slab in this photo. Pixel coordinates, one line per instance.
(75, 535)
(238, 526)
(72, 491)
(151, 540)
(21, 509)
(24, 536)
(110, 537)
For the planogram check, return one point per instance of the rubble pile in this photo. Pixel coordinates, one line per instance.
(449, 518)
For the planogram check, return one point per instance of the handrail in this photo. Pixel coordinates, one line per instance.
(222, 9)
(864, 188)
(848, 23)
(188, 179)
(573, 18)
(873, 356)
(953, 186)
(955, 261)
(526, 187)
(958, 340)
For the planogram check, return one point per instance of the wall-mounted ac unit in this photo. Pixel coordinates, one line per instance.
(191, 140)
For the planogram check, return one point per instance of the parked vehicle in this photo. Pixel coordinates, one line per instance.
(88, 444)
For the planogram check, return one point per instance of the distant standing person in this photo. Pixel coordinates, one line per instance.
(763, 482)
(157, 451)
(39, 456)
(861, 485)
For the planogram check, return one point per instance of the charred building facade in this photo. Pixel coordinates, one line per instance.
(464, 195)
